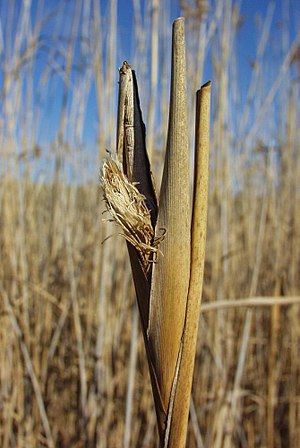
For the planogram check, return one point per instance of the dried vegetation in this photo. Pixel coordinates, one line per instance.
(73, 369)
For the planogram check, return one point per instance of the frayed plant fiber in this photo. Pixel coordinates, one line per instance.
(128, 209)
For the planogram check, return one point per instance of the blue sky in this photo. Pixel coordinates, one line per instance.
(47, 98)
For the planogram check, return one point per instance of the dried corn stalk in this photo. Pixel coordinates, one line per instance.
(167, 243)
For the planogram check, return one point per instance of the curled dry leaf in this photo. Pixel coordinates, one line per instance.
(169, 290)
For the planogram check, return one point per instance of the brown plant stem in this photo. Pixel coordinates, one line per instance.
(180, 414)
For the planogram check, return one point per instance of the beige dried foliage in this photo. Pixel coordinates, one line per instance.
(127, 208)
(169, 295)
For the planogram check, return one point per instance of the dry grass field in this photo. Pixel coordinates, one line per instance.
(73, 370)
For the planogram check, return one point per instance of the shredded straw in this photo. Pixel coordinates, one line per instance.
(127, 207)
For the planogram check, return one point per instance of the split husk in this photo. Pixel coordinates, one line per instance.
(166, 244)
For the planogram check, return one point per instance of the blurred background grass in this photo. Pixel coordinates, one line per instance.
(73, 371)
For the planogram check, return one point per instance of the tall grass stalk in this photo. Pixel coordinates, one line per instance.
(52, 231)
(169, 291)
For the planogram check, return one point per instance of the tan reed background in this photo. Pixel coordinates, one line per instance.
(73, 370)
